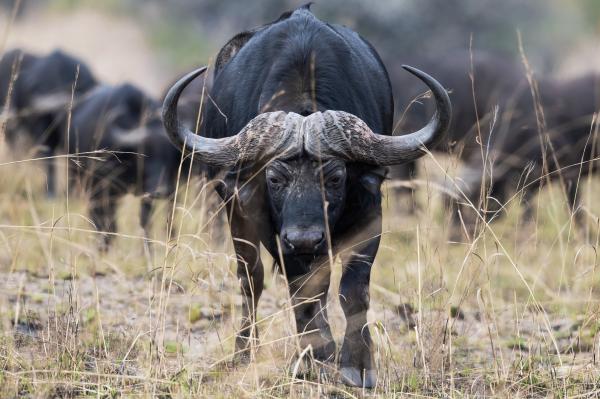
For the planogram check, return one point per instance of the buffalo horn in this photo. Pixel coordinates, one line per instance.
(343, 135)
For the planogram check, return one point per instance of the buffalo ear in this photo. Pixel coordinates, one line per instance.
(233, 46)
(246, 194)
(372, 179)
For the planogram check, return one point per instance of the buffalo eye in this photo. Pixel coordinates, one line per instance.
(276, 181)
(335, 180)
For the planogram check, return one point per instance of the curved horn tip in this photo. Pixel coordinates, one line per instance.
(441, 95)
(176, 133)
(181, 84)
(413, 70)
(417, 72)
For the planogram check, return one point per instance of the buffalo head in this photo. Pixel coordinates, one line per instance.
(304, 159)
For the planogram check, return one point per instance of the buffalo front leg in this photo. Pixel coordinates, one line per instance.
(308, 293)
(357, 366)
(250, 273)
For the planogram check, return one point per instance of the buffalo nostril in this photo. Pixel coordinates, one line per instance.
(287, 241)
(319, 241)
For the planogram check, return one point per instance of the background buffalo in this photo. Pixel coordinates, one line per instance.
(124, 149)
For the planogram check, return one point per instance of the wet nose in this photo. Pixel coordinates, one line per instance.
(303, 240)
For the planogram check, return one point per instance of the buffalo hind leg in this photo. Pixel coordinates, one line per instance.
(250, 273)
(309, 300)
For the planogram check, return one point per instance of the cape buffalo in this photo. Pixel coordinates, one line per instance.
(553, 141)
(41, 88)
(140, 159)
(299, 122)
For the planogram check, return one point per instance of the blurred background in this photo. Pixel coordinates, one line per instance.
(149, 42)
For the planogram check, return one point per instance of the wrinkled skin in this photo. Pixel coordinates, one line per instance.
(297, 189)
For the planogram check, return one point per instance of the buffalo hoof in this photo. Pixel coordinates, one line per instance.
(323, 373)
(325, 352)
(103, 245)
(245, 346)
(353, 377)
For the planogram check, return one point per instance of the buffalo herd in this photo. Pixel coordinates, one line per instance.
(295, 121)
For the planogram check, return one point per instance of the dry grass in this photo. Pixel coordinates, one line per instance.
(512, 312)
